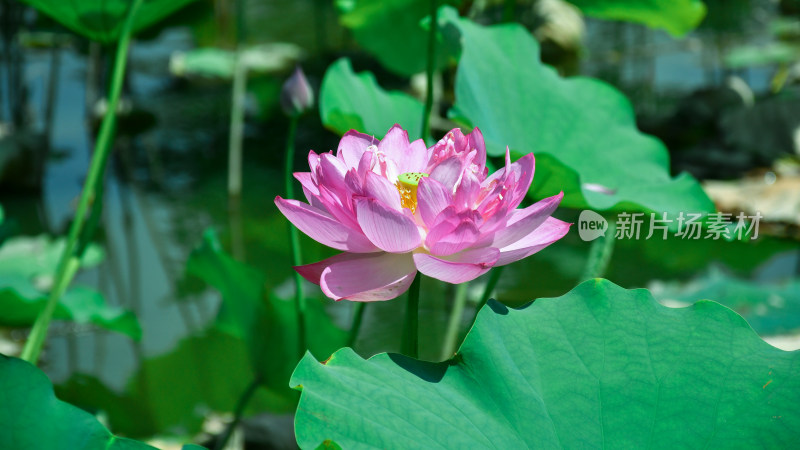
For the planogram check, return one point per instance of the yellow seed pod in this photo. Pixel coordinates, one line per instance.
(407, 186)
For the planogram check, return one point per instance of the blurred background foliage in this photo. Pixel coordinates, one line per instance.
(190, 296)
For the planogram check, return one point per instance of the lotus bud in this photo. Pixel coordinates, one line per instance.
(297, 96)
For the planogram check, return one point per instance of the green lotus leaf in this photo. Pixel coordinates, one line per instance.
(393, 31)
(355, 101)
(266, 321)
(600, 367)
(581, 130)
(21, 303)
(678, 17)
(27, 269)
(102, 20)
(33, 417)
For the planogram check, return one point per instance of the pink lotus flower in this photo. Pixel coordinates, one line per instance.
(396, 207)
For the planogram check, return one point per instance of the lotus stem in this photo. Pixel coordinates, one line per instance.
(358, 316)
(241, 404)
(237, 126)
(494, 277)
(429, 68)
(411, 323)
(239, 90)
(600, 254)
(294, 240)
(68, 263)
(453, 326)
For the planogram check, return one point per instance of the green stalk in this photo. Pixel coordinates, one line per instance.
(494, 277)
(294, 240)
(358, 316)
(429, 68)
(239, 412)
(453, 326)
(94, 219)
(600, 253)
(239, 91)
(411, 323)
(68, 263)
(236, 126)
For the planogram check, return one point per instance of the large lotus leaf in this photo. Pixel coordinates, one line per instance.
(21, 303)
(32, 256)
(27, 268)
(582, 131)
(392, 32)
(33, 417)
(218, 63)
(102, 20)
(770, 54)
(676, 16)
(600, 367)
(355, 101)
(266, 322)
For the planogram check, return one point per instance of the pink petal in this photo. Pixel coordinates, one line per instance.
(446, 239)
(525, 167)
(459, 140)
(389, 170)
(381, 189)
(547, 233)
(388, 229)
(432, 198)
(523, 221)
(314, 200)
(517, 177)
(416, 158)
(339, 205)
(494, 202)
(475, 140)
(305, 180)
(458, 268)
(333, 172)
(352, 146)
(323, 228)
(467, 191)
(313, 165)
(449, 215)
(354, 182)
(395, 145)
(365, 164)
(448, 172)
(494, 221)
(362, 277)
